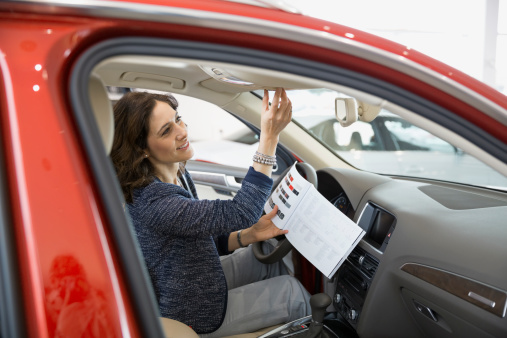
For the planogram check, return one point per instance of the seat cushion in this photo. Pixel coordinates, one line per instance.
(174, 329)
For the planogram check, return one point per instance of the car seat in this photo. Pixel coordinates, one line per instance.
(355, 141)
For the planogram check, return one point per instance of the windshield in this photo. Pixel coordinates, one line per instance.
(389, 144)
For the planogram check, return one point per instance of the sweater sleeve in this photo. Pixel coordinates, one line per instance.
(222, 244)
(168, 209)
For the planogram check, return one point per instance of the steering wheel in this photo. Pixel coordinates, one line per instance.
(283, 247)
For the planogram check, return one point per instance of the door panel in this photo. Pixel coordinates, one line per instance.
(215, 181)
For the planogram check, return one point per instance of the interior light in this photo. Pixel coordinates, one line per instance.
(38, 67)
(36, 88)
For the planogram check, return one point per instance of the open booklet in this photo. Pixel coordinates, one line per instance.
(317, 229)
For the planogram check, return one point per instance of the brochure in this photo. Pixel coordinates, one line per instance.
(317, 229)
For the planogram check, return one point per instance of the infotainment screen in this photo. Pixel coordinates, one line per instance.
(378, 225)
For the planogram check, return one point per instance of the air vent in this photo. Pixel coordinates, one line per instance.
(369, 266)
(364, 261)
(356, 255)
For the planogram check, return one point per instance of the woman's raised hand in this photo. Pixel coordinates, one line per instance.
(275, 118)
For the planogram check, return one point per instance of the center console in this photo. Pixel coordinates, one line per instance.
(353, 281)
(355, 276)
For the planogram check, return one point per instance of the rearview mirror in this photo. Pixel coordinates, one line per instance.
(349, 110)
(345, 110)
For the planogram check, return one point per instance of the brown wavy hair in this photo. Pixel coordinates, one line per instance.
(132, 115)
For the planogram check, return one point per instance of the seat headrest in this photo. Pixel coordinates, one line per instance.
(102, 110)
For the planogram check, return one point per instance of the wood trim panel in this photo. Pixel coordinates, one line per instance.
(484, 296)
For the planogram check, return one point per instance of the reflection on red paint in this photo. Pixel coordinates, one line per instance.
(74, 307)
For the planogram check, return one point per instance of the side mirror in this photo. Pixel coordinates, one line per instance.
(346, 110)
(349, 110)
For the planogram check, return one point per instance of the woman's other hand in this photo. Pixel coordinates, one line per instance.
(263, 230)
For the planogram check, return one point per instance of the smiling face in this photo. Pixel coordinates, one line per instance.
(167, 138)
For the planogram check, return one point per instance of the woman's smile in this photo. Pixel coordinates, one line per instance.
(184, 146)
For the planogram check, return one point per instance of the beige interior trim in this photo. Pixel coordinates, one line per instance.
(174, 329)
(102, 110)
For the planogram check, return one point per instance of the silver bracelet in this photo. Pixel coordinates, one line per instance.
(265, 156)
(239, 240)
(264, 159)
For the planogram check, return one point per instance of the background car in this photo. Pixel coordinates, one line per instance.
(432, 262)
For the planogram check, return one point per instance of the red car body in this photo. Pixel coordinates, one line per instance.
(52, 203)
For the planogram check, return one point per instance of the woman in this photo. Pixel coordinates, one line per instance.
(182, 237)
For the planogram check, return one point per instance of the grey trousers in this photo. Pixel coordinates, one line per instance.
(260, 295)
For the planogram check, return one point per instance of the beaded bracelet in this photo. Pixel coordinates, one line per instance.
(264, 159)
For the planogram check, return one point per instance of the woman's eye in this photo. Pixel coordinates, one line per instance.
(166, 131)
(178, 118)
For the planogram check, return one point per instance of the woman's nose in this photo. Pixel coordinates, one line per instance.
(182, 130)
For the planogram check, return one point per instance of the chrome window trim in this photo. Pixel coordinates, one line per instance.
(199, 18)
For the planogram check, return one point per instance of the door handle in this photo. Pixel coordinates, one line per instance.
(215, 180)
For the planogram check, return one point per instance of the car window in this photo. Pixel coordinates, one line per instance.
(216, 135)
(219, 137)
(406, 136)
(389, 144)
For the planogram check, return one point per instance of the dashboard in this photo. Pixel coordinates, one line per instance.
(432, 262)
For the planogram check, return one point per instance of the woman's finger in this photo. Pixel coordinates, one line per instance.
(285, 103)
(272, 213)
(284, 100)
(288, 109)
(265, 101)
(276, 99)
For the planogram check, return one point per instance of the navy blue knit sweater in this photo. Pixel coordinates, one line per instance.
(179, 236)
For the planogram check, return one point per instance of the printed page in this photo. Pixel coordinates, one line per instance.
(287, 196)
(321, 233)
